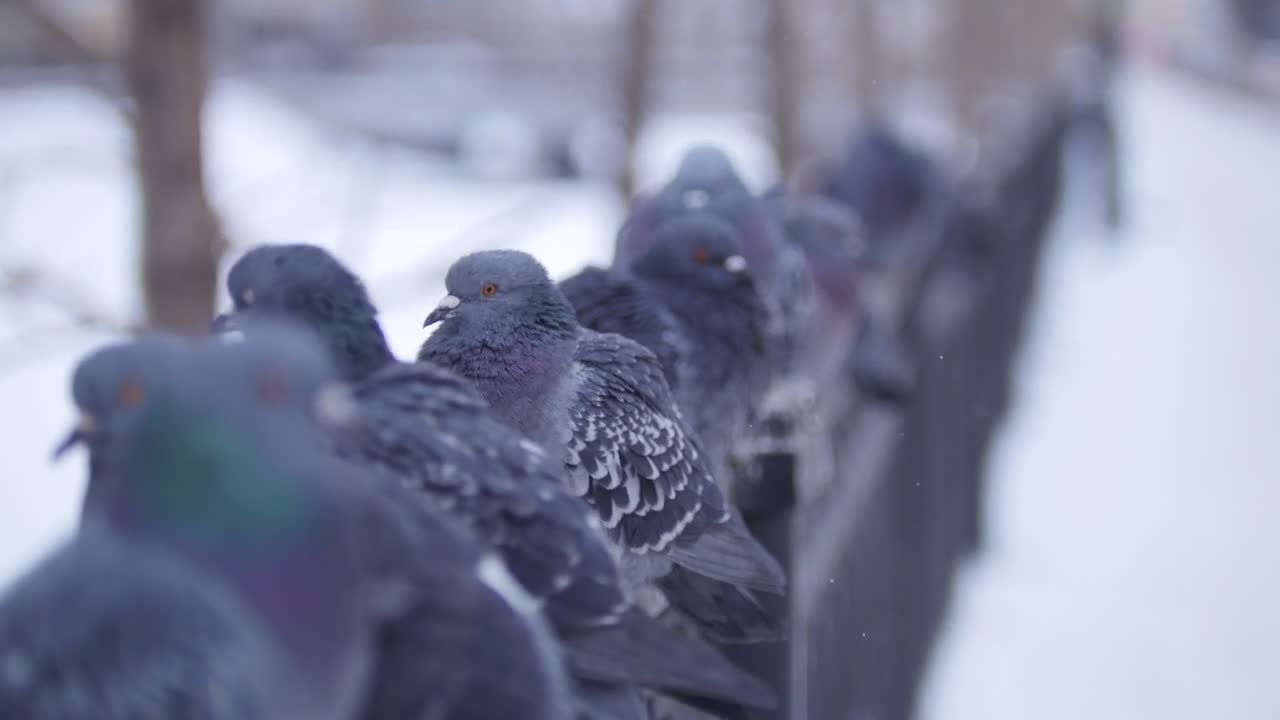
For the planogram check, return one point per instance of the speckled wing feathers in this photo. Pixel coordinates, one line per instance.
(630, 454)
(429, 428)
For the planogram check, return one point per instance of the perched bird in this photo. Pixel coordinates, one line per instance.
(224, 581)
(447, 611)
(832, 244)
(107, 388)
(304, 283)
(601, 399)
(706, 181)
(429, 429)
(884, 180)
(694, 277)
(609, 300)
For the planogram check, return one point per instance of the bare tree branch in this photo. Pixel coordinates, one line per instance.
(62, 294)
(79, 53)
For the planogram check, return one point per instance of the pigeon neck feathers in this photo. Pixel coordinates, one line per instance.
(247, 504)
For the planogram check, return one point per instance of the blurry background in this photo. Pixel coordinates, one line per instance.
(1126, 569)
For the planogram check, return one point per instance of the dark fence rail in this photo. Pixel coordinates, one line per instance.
(876, 503)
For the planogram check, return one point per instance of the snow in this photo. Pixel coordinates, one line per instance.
(1133, 491)
(68, 208)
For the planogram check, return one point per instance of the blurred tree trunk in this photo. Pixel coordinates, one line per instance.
(182, 242)
(636, 69)
(786, 94)
(972, 61)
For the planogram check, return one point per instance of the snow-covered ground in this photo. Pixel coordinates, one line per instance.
(68, 211)
(1135, 491)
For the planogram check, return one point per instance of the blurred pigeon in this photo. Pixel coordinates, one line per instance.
(223, 582)
(446, 610)
(429, 429)
(611, 301)
(297, 282)
(603, 400)
(706, 181)
(829, 238)
(694, 277)
(884, 180)
(107, 388)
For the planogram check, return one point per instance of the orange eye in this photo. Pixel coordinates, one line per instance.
(132, 394)
(701, 256)
(489, 290)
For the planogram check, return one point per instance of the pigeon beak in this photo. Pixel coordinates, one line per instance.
(735, 264)
(83, 430)
(443, 311)
(220, 324)
(225, 328)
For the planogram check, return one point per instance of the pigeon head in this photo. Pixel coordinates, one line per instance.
(306, 284)
(109, 386)
(834, 245)
(198, 471)
(253, 499)
(882, 178)
(281, 367)
(498, 294)
(705, 182)
(707, 168)
(698, 251)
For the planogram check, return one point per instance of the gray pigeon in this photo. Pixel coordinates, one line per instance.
(429, 429)
(107, 388)
(847, 337)
(224, 581)
(831, 242)
(706, 181)
(695, 275)
(446, 611)
(609, 300)
(601, 399)
(884, 180)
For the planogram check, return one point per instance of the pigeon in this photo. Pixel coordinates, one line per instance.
(601, 401)
(106, 386)
(610, 300)
(294, 282)
(848, 341)
(446, 610)
(429, 429)
(706, 181)
(695, 277)
(884, 180)
(831, 241)
(224, 581)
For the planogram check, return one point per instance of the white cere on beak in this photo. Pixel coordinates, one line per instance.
(335, 405)
(494, 573)
(248, 297)
(449, 302)
(696, 198)
(735, 263)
